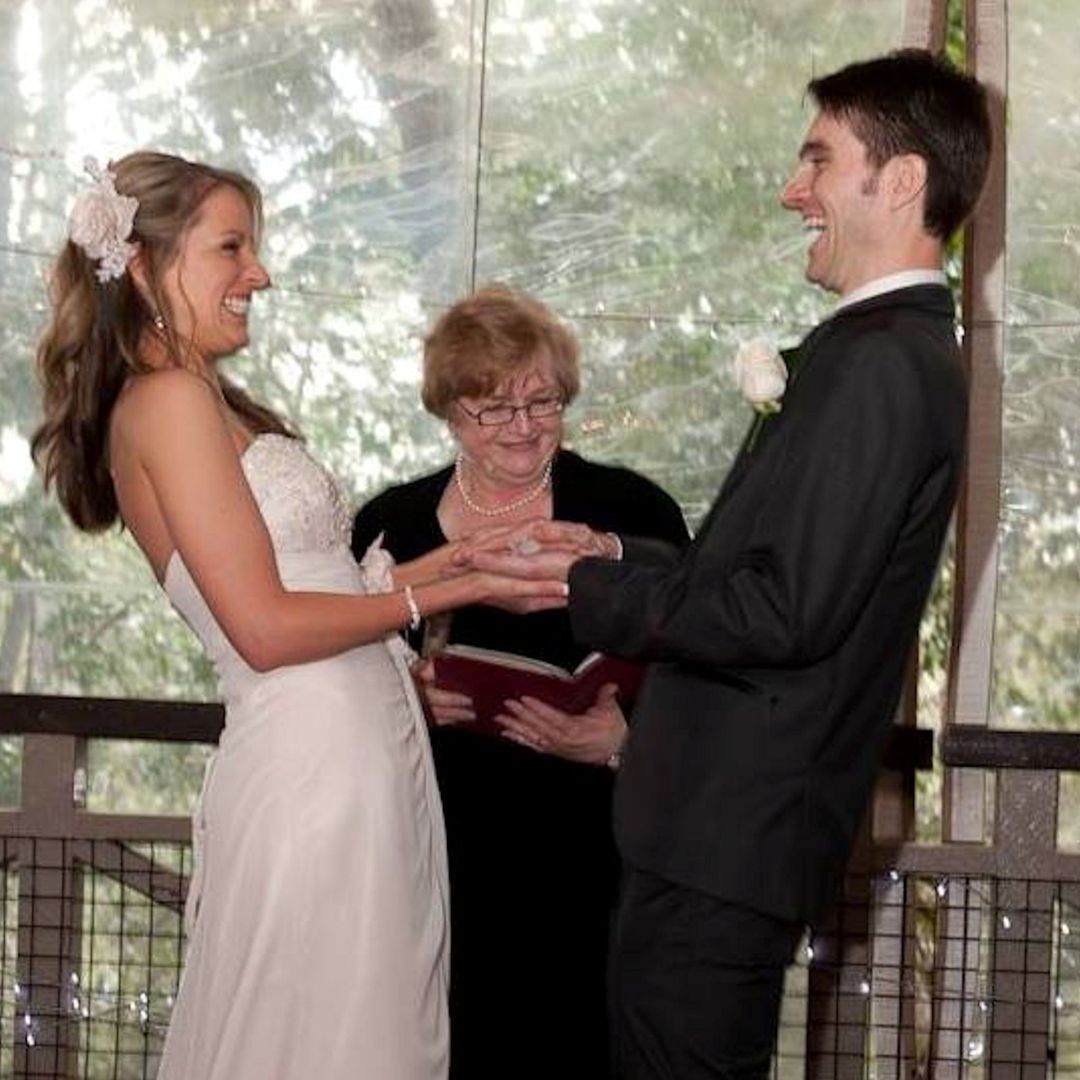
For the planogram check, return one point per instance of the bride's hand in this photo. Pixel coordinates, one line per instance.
(521, 594)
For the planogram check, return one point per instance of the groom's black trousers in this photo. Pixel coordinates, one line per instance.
(696, 983)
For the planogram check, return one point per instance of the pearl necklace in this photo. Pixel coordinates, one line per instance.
(506, 508)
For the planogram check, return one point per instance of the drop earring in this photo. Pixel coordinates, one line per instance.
(159, 322)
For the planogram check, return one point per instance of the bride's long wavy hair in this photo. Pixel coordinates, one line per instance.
(91, 345)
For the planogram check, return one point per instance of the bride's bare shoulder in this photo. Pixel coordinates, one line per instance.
(164, 399)
(166, 388)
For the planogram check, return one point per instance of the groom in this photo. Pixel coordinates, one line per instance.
(779, 639)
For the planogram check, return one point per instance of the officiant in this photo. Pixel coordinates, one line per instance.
(533, 867)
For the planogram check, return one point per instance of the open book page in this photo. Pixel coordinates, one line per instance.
(517, 662)
(513, 661)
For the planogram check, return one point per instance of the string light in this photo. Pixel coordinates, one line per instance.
(82, 1005)
(142, 1005)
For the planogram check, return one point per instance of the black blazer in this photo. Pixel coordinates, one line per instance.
(781, 635)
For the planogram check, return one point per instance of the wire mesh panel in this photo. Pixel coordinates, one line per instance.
(1066, 984)
(92, 950)
(910, 976)
(942, 976)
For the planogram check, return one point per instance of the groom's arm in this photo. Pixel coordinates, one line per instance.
(645, 551)
(807, 554)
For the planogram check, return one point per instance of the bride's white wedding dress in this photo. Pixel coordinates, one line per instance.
(318, 940)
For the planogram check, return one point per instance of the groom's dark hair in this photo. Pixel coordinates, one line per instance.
(912, 102)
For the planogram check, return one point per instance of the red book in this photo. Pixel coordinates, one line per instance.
(491, 677)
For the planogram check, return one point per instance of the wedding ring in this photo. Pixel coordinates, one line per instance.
(525, 545)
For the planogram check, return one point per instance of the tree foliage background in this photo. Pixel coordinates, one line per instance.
(620, 158)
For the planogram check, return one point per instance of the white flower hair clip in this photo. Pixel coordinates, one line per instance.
(101, 222)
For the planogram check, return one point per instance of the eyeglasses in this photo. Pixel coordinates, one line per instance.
(497, 415)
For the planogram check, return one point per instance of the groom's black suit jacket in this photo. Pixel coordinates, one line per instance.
(779, 639)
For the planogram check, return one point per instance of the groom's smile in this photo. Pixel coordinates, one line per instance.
(834, 189)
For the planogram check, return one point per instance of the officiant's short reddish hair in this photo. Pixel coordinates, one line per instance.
(489, 336)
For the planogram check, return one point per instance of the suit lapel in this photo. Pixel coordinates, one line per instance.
(935, 299)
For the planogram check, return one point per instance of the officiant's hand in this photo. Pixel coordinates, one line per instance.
(537, 549)
(541, 534)
(444, 707)
(592, 737)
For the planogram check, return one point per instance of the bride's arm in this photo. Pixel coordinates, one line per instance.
(179, 438)
(437, 565)
(455, 556)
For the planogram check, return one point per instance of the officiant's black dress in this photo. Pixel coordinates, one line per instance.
(533, 867)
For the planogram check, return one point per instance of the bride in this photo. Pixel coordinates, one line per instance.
(317, 913)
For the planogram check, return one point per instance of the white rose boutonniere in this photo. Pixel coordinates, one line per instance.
(761, 375)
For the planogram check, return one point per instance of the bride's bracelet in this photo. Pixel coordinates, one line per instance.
(413, 608)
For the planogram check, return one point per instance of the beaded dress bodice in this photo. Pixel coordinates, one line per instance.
(308, 522)
(299, 500)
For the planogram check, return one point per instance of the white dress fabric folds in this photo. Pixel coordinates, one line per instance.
(318, 912)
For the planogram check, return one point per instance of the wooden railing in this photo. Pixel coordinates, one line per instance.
(950, 959)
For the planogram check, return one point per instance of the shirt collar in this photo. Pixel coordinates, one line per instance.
(905, 279)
